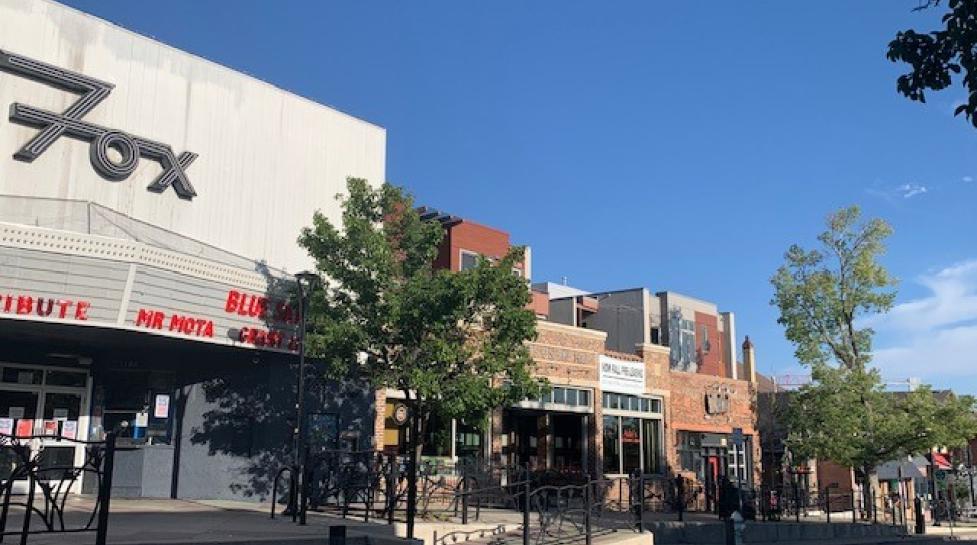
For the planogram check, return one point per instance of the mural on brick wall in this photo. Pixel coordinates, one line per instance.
(681, 339)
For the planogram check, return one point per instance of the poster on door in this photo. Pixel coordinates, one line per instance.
(50, 427)
(7, 426)
(25, 427)
(69, 429)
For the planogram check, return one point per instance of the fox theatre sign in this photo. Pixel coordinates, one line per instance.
(53, 125)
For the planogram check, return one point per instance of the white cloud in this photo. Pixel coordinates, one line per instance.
(911, 190)
(967, 179)
(934, 336)
(894, 194)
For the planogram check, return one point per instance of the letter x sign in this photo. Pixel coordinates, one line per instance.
(70, 123)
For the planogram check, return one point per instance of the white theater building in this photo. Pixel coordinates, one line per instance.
(150, 201)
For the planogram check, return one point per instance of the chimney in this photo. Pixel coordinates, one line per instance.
(749, 361)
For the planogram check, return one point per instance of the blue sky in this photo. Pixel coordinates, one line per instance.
(672, 145)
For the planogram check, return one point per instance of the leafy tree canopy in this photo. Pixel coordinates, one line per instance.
(936, 56)
(454, 342)
(845, 414)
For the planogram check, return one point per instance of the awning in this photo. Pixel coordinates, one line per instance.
(940, 461)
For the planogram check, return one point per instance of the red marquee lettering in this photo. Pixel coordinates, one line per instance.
(176, 322)
(63, 308)
(41, 309)
(233, 298)
(25, 304)
(209, 329)
(6, 305)
(81, 310)
(144, 317)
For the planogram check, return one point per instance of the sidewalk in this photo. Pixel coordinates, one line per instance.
(175, 522)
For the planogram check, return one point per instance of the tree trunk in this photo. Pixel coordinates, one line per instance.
(869, 483)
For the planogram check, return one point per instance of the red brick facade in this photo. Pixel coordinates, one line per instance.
(709, 345)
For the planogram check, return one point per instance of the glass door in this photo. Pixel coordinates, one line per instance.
(48, 404)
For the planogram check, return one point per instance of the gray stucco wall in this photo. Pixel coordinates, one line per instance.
(236, 431)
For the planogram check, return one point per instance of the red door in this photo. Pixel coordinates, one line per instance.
(712, 482)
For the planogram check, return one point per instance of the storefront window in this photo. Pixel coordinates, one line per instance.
(571, 397)
(66, 378)
(690, 452)
(636, 423)
(438, 438)
(631, 444)
(468, 440)
(651, 445)
(18, 375)
(632, 403)
(612, 444)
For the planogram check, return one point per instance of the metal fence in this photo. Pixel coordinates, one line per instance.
(35, 489)
(552, 506)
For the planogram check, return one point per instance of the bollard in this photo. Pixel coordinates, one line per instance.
(337, 535)
(641, 503)
(853, 518)
(586, 515)
(918, 512)
(105, 495)
(525, 511)
(827, 504)
(464, 500)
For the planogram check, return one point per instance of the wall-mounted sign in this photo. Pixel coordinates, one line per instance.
(161, 406)
(400, 414)
(622, 376)
(7, 426)
(717, 399)
(71, 123)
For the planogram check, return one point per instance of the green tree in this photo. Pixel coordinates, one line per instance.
(453, 342)
(935, 57)
(845, 414)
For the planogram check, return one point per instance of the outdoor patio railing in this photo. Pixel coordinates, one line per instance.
(37, 491)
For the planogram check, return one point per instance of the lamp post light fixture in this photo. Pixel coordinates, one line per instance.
(305, 282)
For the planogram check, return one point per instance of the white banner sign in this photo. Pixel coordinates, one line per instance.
(622, 376)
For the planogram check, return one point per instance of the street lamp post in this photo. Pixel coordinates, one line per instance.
(299, 446)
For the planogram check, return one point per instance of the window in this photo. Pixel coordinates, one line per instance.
(690, 452)
(705, 338)
(469, 260)
(571, 397)
(632, 443)
(651, 445)
(612, 444)
(624, 402)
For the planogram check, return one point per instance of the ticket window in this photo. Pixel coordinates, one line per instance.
(128, 404)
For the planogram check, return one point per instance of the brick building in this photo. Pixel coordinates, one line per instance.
(639, 382)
